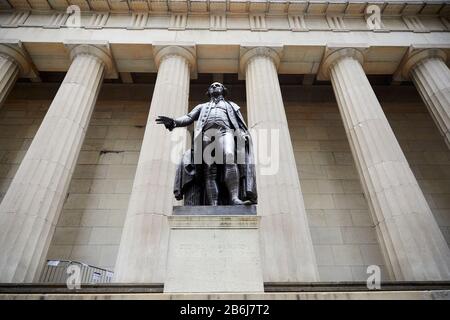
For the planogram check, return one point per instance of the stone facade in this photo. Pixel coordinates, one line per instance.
(341, 227)
(360, 102)
(92, 217)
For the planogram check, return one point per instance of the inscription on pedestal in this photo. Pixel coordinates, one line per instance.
(214, 254)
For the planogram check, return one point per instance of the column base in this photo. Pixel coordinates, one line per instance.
(213, 253)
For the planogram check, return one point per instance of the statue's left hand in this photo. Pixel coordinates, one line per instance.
(246, 137)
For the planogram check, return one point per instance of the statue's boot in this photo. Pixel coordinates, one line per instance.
(212, 190)
(240, 202)
(232, 182)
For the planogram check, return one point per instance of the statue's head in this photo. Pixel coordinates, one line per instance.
(216, 89)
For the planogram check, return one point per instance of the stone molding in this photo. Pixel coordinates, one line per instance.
(334, 53)
(417, 53)
(217, 222)
(248, 52)
(99, 49)
(15, 51)
(239, 6)
(162, 51)
(190, 21)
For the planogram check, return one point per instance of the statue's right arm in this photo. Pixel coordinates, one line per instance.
(189, 118)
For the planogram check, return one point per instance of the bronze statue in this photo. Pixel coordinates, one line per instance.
(228, 176)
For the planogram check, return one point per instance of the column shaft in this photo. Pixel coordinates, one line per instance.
(31, 206)
(9, 72)
(144, 244)
(432, 79)
(286, 245)
(410, 237)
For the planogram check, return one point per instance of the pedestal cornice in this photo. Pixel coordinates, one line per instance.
(99, 49)
(214, 221)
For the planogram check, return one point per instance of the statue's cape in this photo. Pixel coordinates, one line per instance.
(184, 176)
(247, 171)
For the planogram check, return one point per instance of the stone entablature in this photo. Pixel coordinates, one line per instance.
(384, 52)
(395, 7)
(234, 15)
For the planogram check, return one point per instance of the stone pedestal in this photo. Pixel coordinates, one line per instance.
(214, 253)
(214, 211)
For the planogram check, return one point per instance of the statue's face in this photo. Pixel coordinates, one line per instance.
(215, 89)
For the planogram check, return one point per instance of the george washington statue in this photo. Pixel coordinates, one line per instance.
(219, 168)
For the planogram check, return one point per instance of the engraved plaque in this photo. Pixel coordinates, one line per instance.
(218, 254)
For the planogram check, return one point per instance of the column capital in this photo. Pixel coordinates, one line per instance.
(417, 53)
(334, 53)
(248, 52)
(15, 51)
(186, 51)
(99, 49)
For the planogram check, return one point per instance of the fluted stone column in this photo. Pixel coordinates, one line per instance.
(32, 204)
(144, 244)
(13, 62)
(411, 239)
(9, 72)
(286, 245)
(431, 77)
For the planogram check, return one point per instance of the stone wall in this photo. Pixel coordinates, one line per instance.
(19, 121)
(342, 229)
(427, 154)
(344, 237)
(90, 224)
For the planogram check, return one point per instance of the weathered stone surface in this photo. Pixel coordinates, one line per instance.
(431, 76)
(331, 295)
(31, 207)
(14, 62)
(306, 107)
(408, 233)
(286, 244)
(143, 247)
(9, 72)
(214, 254)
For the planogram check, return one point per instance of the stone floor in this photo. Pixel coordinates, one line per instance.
(273, 291)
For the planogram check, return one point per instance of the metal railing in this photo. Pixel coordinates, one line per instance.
(56, 271)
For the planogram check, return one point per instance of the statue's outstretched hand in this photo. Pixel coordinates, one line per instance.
(169, 123)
